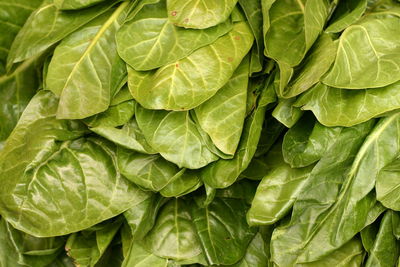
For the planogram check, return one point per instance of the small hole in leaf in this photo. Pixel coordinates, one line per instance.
(173, 13)
(227, 238)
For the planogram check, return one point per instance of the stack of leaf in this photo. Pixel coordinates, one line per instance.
(228, 133)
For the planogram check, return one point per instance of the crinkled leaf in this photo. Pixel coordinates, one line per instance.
(53, 184)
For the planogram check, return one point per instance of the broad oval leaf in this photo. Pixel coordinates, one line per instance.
(138, 256)
(150, 40)
(175, 136)
(55, 185)
(223, 230)
(46, 26)
(174, 235)
(199, 14)
(187, 83)
(75, 4)
(277, 191)
(74, 75)
(291, 27)
(351, 106)
(222, 117)
(368, 55)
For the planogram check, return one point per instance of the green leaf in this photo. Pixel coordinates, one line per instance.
(255, 255)
(387, 185)
(152, 172)
(46, 26)
(368, 236)
(16, 90)
(187, 83)
(175, 136)
(350, 254)
(114, 116)
(183, 183)
(351, 106)
(223, 231)
(346, 13)
(20, 249)
(138, 256)
(174, 235)
(87, 249)
(291, 27)
(44, 162)
(129, 136)
(75, 4)
(363, 60)
(222, 117)
(385, 250)
(252, 10)
(277, 191)
(150, 40)
(72, 73)
(141, 217)
(286, 112)
(12, 17)
(327, 197)
(224, 172)
(199, 14)
(307, 141)
(311, 69)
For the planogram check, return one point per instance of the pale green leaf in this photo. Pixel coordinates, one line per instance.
(199, 14)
